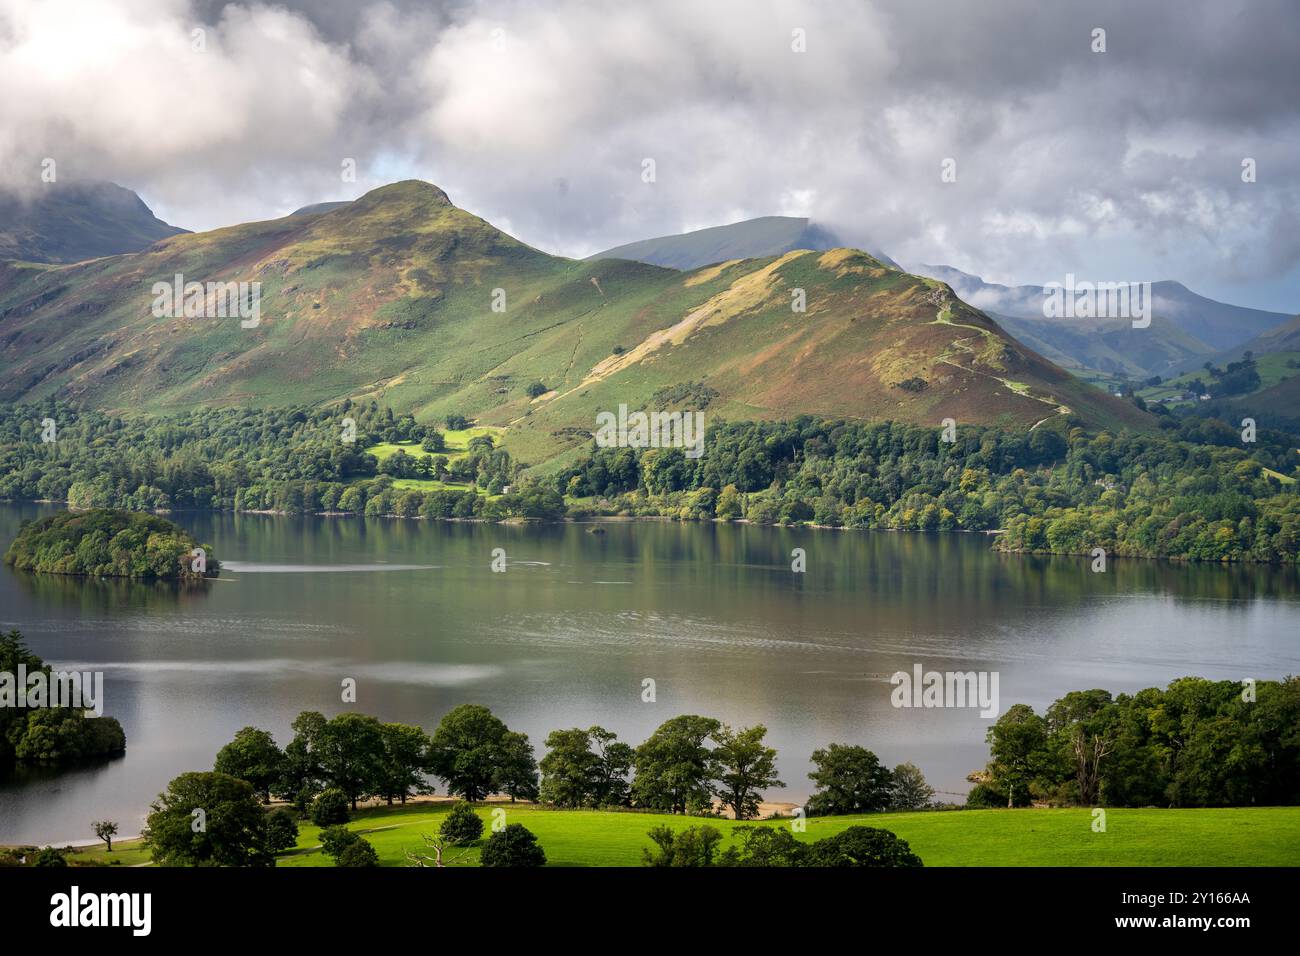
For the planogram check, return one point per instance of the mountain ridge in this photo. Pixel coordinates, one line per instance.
(393, 297)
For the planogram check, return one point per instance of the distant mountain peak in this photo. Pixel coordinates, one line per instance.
(77, 220)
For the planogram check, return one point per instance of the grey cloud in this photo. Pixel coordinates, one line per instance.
(1067, 160)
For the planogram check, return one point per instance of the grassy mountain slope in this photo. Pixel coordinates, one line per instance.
(72, 222)
(391, 297)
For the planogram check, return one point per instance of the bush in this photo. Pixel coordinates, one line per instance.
(50, 857)
(357, 853)
(694, 846)
(330, 807)
(862, 846)
(334, 840)
(462, 825)
(514, 846)
(536, 390)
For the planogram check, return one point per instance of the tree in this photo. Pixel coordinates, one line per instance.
(693, 847)
(330, 807)
(744, 768)
(674, 768)
(1081, 725)
(614, 762)
(576, 775)
(862, 846)
(351, 755)
(462, 826)
(513, 845)
(281, 831)
(464, 749)
(850, 779)
(909, 791)
(105, 830)
(252, 756)
(303, 773)
(207, 819)
(438, 844)
(360, 853)
(1018, 745)
(515, 773)
(401, 768)
(568, 769)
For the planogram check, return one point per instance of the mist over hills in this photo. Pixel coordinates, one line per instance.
(749, 239)
(72, 222)
(1186, 329)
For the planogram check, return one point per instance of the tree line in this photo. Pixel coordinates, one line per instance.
(1195, 490)
(689, 765)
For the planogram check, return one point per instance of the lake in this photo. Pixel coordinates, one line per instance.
(565, 637)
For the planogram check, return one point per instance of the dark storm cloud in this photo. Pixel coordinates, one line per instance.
(538, 116)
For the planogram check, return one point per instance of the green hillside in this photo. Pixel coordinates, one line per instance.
(391, 296)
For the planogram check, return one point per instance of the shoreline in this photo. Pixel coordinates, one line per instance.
(992, 533)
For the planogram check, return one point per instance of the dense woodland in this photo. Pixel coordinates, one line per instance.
(111, 542)
(1195, 490)
(1196, 743)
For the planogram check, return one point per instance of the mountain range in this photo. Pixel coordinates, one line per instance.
(404, 297)
(1186, 329)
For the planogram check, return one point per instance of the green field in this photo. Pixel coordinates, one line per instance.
(1273, 367)
(457, 441)
(1249, 836)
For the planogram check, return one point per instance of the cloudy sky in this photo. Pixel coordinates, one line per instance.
(1123, 164)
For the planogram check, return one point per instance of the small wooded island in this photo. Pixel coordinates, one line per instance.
(110, 542)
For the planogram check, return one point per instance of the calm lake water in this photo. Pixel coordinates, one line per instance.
(565, 637)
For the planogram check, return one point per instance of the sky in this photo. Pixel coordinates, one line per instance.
(1115, 164)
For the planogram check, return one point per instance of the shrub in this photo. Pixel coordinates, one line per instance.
(462, 825)
(514, 846)
(50, 857)
(357, 853)
(862, 846)
(334, 840)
